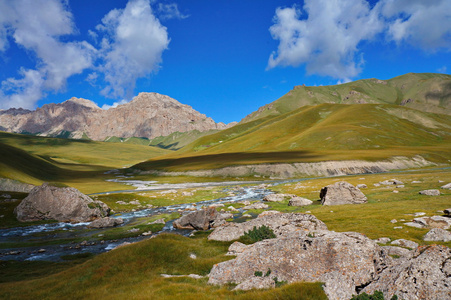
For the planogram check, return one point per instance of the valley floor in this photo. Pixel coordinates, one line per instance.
(134, 271)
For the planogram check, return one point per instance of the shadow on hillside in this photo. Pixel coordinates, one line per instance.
(213, 161)
(29, 139)
(445, 93)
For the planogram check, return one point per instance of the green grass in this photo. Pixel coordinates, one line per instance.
(133, 271)
(318, 133)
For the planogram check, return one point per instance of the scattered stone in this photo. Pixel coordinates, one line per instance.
(231, 208)
(214, 205)
(413, 224)
(199, 220)
(361, 186)
(195, 276)
(434, 222)
(425, 275)
(446, 186)
(281, 224)
(193, 256)
(277, 197)
(268, 212)
(299, 201)
(134, 230)
(187, 194)
(159, 221)
(416, 181)
(394, 221)
(400, 186)
(447, 212)
(397, 227)
(135, 202)
(391, 181)
(377, 184)
(66, 204)
(395, 191)
(41, 250)
(256, 205)
(246, 202)
(419, 214)
(430, 192)
(341, 193)
(405, 243)
(246, 216)
(397, 251)
(438, 235)
(147, 233)
(106, 222)
(383, 240)
(121, 202)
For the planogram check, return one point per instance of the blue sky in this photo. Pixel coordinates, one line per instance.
(225, 58)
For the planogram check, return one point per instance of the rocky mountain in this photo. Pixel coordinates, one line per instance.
(148, 115)
(427, 92)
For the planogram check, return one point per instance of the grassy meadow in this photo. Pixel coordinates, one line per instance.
(134, 271)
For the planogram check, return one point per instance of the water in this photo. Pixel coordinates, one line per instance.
(61, 231)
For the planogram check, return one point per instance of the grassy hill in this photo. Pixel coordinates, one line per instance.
(427, 92)
(78, 163)
(318, 133)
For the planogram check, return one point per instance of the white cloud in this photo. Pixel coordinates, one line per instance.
(326, 41)
(37, 26)
(115, 104)
(424, 24)
(442, 69)
(132, 46)
(22, 92)
(325, 35)
(170, 11)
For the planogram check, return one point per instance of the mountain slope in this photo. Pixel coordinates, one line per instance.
(425, 92)
(148, 115)
(319, 133)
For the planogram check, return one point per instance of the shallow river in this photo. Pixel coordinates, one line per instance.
(59, 231)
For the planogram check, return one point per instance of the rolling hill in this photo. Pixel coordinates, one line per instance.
(368, 119)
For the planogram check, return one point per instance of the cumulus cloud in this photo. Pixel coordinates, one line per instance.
(170, 11)
(129, 42)
(423, 24)
(132, 46)
(325, 35)
(39, 31)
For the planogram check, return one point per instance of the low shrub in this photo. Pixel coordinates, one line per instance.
(257, 234)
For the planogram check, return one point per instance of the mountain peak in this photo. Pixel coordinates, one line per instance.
(83, 102)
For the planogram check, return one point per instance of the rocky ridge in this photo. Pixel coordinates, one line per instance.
(148, 115)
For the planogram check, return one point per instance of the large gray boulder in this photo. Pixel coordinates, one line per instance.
(341, 193)
(65, 204)
(198, 220)
(343, 261)
(430, 192)
(426, 275)
(281, 224)
(106, 222)
(299, 201)
(438, 235)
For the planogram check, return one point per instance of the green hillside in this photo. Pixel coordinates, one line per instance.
(425, 92)
(318, 133)
(77, 163)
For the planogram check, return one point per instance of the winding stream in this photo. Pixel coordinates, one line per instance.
(58, 232)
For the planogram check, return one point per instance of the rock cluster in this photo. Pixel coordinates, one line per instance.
(65, 204)
(348, 263)
(341, 193)
(281, 224)
(106, 222)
